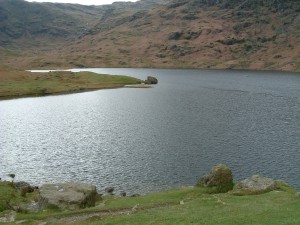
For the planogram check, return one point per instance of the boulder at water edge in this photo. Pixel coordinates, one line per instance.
(68, 195)
(151, 80)
(219, 177)
(257, 184)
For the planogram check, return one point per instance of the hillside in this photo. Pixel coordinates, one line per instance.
(181, 33)
(23, 23)
(28, 21)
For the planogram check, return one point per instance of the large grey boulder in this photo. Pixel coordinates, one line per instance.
(257, 184)
(219, 177)
(67, 195)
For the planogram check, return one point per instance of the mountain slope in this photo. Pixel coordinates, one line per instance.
(29, 20)
(248, 34)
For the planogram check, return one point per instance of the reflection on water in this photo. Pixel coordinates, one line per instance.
(144, 140)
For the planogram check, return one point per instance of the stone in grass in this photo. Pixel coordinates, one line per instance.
(135, 195)
(220, 177)
(67, 195)
(256, 184)
(8, 217)
(123, 194)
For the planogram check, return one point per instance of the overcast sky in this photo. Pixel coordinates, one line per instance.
(84, 2)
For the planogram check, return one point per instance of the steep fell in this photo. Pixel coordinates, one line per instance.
(235, 34)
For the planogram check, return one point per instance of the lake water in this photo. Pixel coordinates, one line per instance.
(145, 140)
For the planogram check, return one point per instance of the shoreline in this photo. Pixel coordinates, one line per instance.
(15, 85)
(169, 68)
(57, 93)
(184, 204)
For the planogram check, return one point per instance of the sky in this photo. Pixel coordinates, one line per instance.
(84, 2)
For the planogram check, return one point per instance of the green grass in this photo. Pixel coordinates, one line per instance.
(7, 195)
(183, 206)
(10, 198)
(18, 84)
(218, 209)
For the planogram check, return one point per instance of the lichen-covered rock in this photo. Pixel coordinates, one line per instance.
(67, 195)
(257, 184)
(219, 177)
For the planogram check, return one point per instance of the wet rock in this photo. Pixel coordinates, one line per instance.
(219, 177)
(257, 183)
(11, 175)
(109, 190)
(67, 195)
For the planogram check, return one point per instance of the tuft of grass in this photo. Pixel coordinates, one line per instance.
(7, 195)
(11, 198)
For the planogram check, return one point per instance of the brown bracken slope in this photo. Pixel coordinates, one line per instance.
(231, 34)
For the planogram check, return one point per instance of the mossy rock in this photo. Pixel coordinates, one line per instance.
(219, 179)
(151, 80)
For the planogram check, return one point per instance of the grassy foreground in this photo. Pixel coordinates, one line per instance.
(19, 84)
(181, 206)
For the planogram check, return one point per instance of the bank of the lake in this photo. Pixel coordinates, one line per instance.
(22, 84)
(186, 205)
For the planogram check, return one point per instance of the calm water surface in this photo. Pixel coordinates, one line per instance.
(145, 140)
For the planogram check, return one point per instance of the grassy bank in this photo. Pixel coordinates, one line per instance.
(180, 206)
(20, 84)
